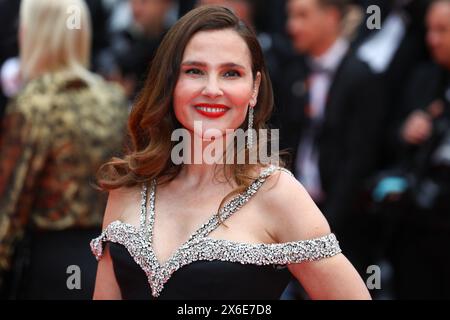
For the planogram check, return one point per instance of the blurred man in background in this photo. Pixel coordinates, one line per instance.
(330, 114)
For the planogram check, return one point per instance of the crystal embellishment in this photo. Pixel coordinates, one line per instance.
(199, 247)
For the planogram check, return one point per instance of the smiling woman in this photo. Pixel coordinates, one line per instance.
(207, 63)
(212, 84)
(210, 69)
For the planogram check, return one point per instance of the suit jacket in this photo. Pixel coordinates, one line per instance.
(348, 141)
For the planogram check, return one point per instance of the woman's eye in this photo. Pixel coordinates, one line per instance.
(232, 73)
(193, 71)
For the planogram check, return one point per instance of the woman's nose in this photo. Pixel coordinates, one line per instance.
(212, 88)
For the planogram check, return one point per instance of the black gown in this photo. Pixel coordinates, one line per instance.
(204, 268)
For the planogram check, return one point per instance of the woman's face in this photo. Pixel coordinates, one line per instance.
(216, 85)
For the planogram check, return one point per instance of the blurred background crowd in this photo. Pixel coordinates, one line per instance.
(362, 101)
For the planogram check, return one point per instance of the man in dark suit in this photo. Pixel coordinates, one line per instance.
(330, 115)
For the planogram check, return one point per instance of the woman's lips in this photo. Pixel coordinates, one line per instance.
(211, 110)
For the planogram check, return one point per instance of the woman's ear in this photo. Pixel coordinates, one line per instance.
(256, 85)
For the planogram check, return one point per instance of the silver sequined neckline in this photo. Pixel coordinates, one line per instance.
(199, 247)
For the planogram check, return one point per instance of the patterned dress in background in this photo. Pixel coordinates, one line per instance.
(54, 136)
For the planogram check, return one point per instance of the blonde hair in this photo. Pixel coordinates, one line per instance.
(49, 42)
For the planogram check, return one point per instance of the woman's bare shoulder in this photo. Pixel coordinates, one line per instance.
(289, 210)
(125, 193)
(123, 204)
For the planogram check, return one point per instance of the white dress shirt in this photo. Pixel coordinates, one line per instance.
(379, 50)
(320, 80)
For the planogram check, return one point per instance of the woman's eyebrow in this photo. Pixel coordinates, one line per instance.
(202, 64)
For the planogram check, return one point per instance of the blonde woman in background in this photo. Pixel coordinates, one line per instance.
(62, 125)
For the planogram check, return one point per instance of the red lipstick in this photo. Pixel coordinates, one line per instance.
(211, 110)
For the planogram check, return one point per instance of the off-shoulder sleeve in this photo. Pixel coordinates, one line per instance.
(265, 254)
(304, 250)
(97, 245)
(117, 232)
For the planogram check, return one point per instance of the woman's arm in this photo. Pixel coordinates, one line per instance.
(292, 216)
(106, 287)
(332, 278)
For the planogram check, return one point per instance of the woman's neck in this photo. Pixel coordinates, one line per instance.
(203, 167)
(200, 175)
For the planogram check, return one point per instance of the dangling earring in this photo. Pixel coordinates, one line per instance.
(250, 128)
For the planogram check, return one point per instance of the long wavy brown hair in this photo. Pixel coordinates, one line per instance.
(152, 119)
